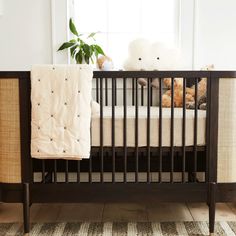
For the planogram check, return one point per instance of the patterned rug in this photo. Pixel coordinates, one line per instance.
(119, 229)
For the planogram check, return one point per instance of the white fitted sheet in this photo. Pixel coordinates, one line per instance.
(142, 127)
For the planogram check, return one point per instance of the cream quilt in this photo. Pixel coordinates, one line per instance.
(61, 111)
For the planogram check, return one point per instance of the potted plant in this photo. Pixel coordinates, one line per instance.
(81, 51)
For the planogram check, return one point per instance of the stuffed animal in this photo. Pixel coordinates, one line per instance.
(178, 93)
(144, 55)
(138, 57)
(163, 58)
(201, 92)
(190, 93)
(105, 63)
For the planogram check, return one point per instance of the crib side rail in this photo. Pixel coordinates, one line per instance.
(137, 100)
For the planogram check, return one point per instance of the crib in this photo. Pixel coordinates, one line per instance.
(141, 151)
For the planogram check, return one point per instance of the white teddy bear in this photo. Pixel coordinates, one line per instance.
(144, 55)
(138, 57)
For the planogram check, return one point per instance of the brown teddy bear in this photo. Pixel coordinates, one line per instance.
(178, 93)
(202, 92)
(190, 93)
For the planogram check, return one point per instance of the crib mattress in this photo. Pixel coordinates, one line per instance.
(142, 127)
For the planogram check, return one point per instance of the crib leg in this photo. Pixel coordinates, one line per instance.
(212, 207)
(26, 207)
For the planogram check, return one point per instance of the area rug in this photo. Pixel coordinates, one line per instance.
(119, 229)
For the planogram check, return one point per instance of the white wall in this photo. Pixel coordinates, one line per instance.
(61, 10)
(25, 34)
(215, 34)
(187, 17)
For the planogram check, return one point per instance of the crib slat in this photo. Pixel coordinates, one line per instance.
(43, 171)
(91, 159)
(55, 171)
(125, 130)
(207, 136)
(142, 96)
(142, 104)
(195, 128)
(90, 169)
(97, 95)
(160, 130)
(115, 92)
(133, 91)
(151, 100)
(184, 130)
(101, 130)
(172, 131)
(136, 133)
(66, 174)
(151, 93)
(113, 130)
(78, 171)
(148, 130)
(106, 92)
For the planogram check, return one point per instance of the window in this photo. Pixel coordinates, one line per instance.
(121, 21)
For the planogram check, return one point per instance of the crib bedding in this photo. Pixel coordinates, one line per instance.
(142, 127)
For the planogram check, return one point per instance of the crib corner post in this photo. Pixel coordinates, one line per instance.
(212, 145)
(26, 207)
(25, 137)
(212, 206)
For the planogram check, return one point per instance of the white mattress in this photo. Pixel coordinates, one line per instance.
(142, 127)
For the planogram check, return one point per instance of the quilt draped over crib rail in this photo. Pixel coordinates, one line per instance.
(61, 111)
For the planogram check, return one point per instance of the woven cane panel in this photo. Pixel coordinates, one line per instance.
(10, 165)
(227, 131)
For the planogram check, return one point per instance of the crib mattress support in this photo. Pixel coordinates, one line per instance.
(224, 192)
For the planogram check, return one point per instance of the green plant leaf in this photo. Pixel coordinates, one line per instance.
(81, 42)
(66, 45)
(72, 41)
(86, 58)
(86, 49)
(95, 51)
(79, 56)
(91, 35)
(73, 28)
(92, 53)
(73, 50)
(99, 49)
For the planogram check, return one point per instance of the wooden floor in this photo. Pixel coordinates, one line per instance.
(117, 212)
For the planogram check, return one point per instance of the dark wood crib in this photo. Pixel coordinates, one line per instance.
(120, 173)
